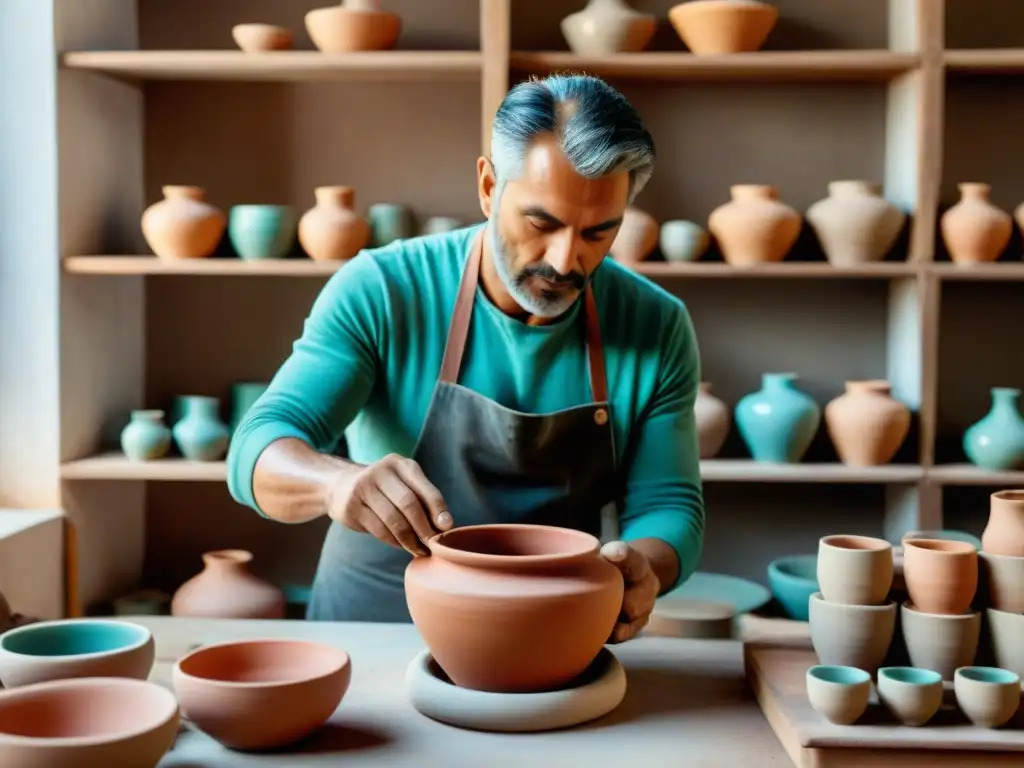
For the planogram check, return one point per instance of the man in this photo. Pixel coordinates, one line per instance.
(505, 372)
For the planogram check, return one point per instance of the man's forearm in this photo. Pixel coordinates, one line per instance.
(663, 559)
(293, 483)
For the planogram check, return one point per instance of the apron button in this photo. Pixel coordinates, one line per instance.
(601, 416)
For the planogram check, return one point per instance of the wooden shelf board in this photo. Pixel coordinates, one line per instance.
(813, 269)
(279, 65)
(774, 66)
(1007, 270)
(968, 474)
(114, 466)
(985, 61)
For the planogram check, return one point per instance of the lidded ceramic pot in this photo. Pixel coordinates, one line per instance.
(637, 236)
(974, 230)
(225, 589)
(1004, 531)
(146, 437)
(514, 608)
(855, 224)
(608, 26)
(332, 230)
(941, 642)
(723, 26)
(866, 424)
(996, 441)
(713, 421)
(754, 227)
(778, 422)
(941, 574)
(183, 225)
(260, 38)
(354, 25)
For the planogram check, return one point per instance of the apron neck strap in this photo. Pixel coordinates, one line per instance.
(458, 330)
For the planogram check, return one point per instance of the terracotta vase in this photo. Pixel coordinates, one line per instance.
(855, 224)
(606, 27)
(974, 230)
(513, 608)
(941, 575)
(332, 230)
(866, 424)
(183, 225)
(637, 236)
(723, 26)
(754, 227)
(1004, 532)
(225, 589)
(354, 25)
(713, 421)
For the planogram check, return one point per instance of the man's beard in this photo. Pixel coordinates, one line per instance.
(546, 304)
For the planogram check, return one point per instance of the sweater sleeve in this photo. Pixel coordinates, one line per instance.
(663, 496)
(325, 381)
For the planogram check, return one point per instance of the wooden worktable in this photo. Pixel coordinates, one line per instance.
(687, 704)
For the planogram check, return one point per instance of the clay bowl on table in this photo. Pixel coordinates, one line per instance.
(258, 694)
(69, 648)
(1006, 631)
(838, 693)
(941, 575)
(793, 580)
(913, 696)
(513, 608)
(1002, 580)
(987, 695)
(940, 642)
(851, 635)
(854, 570)
(260, 38)
(89, 722)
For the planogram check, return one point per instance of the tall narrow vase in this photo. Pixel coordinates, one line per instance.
(200, 434)
(997, 440)
(778, 422)
(225, 589)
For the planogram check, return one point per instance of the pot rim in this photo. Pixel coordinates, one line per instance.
(969, 615)
(342, 661)
(587, 547)
(143, 636)
(870, 543)
(942, 546)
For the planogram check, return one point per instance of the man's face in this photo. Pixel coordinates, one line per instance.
(551, 228)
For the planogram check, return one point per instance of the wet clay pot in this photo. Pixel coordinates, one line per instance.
(513, 608)
(754, 227)
(866, 424)
(713, 421)
(332, 230)
(606, 27)
(723, 26)
(225, 589)
(974, 230)
(183, 225)
(855, 224)
(637, 236)
(941, 575)
(354, 25)
(940, 642)
(1004, 532)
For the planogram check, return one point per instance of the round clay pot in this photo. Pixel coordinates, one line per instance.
(1004, 531)
(988, 696)
(225, 589)
(86, 723)
(866, 424)
(183, 225)
(354, 25)
(913, 696)
(260, 694)
(608, 26)
(146, 437)
(514, 608)
(683, 240)
(713, 421)
(1006, 629)
(723, 26)
(1002, 581)
(974, 230)
(941, 575)
(331, 230)
(754, 227)
(940, 642)
(637, 236)
(839, 694)
(260, 38)
(855, 224)
(851, 635)
(854, 570)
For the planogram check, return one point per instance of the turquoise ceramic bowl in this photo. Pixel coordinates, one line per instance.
(72, 648)
(839, 675)
(261, 231)
(793, 580)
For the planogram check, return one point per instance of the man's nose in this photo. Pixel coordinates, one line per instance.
(561, 253)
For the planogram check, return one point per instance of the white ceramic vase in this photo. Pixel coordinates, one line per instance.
(607, 26)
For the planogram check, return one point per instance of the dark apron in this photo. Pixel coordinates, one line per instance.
(491, 464)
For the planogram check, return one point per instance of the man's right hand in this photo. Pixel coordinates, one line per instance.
(393, 501)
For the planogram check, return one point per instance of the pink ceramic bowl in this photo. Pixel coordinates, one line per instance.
(87, 722)
(256, 694)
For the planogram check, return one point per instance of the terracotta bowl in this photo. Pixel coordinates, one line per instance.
(256, 694)
(69, 648)
(87, 722)
(709, 27)
(259, 38)
(340, 29)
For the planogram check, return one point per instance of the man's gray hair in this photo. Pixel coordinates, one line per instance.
(596, 128)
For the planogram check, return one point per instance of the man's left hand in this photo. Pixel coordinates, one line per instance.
(642, 587)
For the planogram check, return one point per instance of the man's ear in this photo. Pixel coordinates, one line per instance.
(486, 183)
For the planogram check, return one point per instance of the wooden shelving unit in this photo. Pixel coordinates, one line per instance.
(883, 91)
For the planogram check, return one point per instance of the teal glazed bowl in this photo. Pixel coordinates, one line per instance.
(261, 231)
(74, 648)
(793, 580)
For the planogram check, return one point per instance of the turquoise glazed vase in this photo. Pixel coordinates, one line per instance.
(200, 434)
(778, 422)
(261, 231)
(997, 440)
(388, 222)
(243, 395)
(146, 437)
